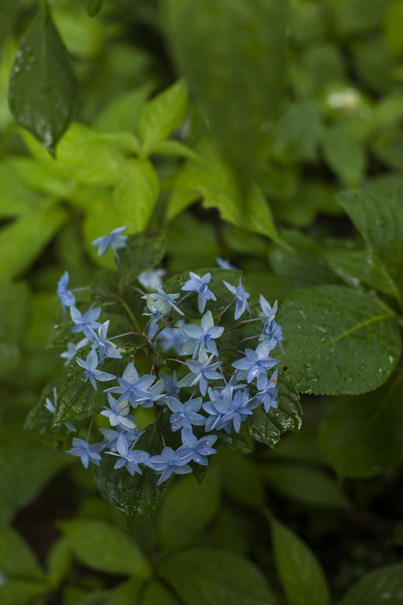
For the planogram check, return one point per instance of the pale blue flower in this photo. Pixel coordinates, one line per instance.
(273, 334)
(51, 407)
(200, 285)
(201, 372)
(241, 298)
(86, 452)
(268, 311)
(72, 349)
(201, 338)
(171, 387)
(151, 279)
(172, 338)
(130, 459)
(66, 296)
(91, 373)
(256, 363)
(104, 346)
(85, 323)
(227, 408)
(268, 395)
(201, 448)
(132, 387)
(160, 304)
(111, 436)
(118, 414)
(170, 461)
(114, 240)
(185, 414)
(224, 263)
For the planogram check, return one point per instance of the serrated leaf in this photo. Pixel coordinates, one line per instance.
(136, 193)
(143, 251)
(207, 576)
(301, 574)
(233, 57)
(162, 115)
(362, 436)
(94, 6)
(377, 587)
(338, 341)
(268, 428)
(103, 546)
(43, 87)
(187, 509)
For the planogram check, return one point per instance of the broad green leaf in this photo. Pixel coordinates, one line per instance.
(296, 136)
(23, 241)
(23, 592)
(162, 115)
(94, 6)
(103, 546)
(355, 266)
(136, 193)
(300, 572)
(268, 428)
(377, 587)
(187, 509)
(157, 594)
(43, 87)
(379, 219)
(122, 114)
(16, 557)
(14, 308)
(143, 251)
(59, 562)
(15, 197)
(135, 496)
(241, 478)
(305, 484)
(363, 436)
(338, 341)
(344, 155)
(174, 148)
(215, 183)
(207, 576)
(300, 269)
(233, 57)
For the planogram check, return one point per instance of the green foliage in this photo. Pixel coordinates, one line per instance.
(375, 587)
(136, 193)
(143, 251)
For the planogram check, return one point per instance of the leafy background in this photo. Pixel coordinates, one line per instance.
(270, 133)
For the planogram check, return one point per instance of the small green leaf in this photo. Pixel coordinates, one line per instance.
(377, 587)
(16, 557)
(344, 154)
(162, 115)
(123, 112)
(105, 547)
(308, 485)
(363, 436)
(14, 309)
(301, 574)
(136, 193)
(43, 87)
(296, 136)
(329, 331)
(207, 576)
(143, 251)
(187, 508)
(268, 428)
(59, 562)
(94, 6)
(157, 594)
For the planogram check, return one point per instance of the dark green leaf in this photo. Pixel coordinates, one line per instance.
(268, 428)
(241, 479)
(43, 87)
(297, 134)
(382, 585)
(16, 558)
(363, 436)
(300, 269)
(14, 308)
(94, 6)
(207, 576)
(8, 14)
(157, 594)
(105, 547)
(301, 574)
(187, 508)
(338, 341)
(143, 251)
(344, 154)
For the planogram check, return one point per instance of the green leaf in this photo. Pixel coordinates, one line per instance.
(215, 183)
(157, 594)
(22, 241)
(43, 87)
(143, 251)
(94, 6)
(379, 219)
(241, 478)
(296, 136)
(123, 112)
(22, 592)
(363, 436)
(174, 148)
(377, 587)
(59, 562)
(268, 428)
(162, 115)
(136, 193)
(308, 485)
(208, 576)
(300, 572)
(329, 331)
(16, 557)
(187, 509)
(300, 269)
(135, 496)
(105, 547)
(344, 155)
(233, 57)
(14, 309)
(393, 24)
(9, 10)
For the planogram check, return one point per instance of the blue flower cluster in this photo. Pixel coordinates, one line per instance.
(213, 387)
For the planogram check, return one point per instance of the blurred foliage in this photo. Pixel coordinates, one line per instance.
(187, 113)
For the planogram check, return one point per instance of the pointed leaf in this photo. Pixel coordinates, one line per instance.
(377, 587)
(136, 193)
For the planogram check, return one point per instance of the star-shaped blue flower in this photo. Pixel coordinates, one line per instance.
(133, 388)
(91, 373)
(185, 414)
(129, 458)
(170, 461)
(151, 279)
(240, 297)
(111, 436)
(201, 338)
(201, 372)
(200, 285)
(51, 407)
(66, 297)
(256, 363)
(104, 346)
(86, 452)
(268, 395)
(224, 263)
(227, 409)
(201, 447)
(72, 349)
(85, 323)
(172, 338)
(118, 414)
(114, 240)
(160, 304)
